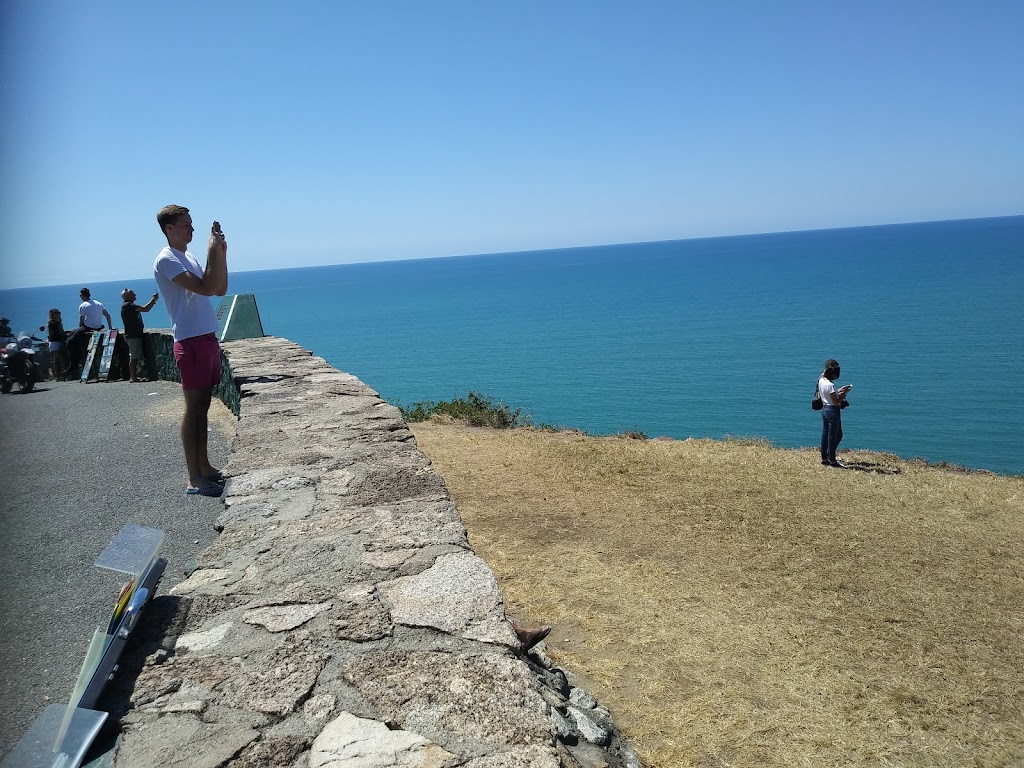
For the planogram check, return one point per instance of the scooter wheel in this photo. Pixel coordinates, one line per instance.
(29, 380)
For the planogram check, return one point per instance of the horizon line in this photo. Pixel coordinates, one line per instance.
(563, 248)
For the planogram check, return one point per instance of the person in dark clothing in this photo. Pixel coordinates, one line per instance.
(131, 316)
(56, 336)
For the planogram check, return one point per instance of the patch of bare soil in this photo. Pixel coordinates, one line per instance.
(741, 605)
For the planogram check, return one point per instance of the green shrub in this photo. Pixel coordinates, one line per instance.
(475, 409)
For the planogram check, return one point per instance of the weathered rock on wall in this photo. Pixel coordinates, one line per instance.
(341, 618)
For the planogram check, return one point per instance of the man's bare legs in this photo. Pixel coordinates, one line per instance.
(194, 434)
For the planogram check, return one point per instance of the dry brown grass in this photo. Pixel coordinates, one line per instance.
(740, 605)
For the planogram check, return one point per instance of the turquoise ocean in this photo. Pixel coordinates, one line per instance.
(705, 338)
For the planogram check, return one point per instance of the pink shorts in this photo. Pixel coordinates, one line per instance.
(198, 361)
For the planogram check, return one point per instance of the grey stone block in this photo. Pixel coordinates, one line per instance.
(458, 595)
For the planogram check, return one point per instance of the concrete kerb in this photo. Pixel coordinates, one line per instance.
(341, 618)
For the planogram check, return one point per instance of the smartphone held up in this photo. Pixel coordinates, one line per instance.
(217, 240)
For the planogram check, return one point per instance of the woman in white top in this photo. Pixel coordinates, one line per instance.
(831, 420)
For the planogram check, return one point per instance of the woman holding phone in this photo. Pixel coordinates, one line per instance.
(833, 401)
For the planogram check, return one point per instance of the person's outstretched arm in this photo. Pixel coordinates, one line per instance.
(149, 306)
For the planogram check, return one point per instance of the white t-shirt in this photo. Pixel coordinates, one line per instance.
(191, 314)
(826, 389)
(92, 310)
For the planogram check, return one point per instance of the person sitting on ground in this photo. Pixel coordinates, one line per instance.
(56, 335)
(133, 329)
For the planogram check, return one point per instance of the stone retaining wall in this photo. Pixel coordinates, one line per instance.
(341, 618)
(158, 356)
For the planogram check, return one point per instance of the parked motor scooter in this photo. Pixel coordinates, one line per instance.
(18, 365)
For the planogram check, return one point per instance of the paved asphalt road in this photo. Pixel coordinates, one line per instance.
(79, 461)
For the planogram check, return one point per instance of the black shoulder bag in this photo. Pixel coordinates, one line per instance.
(816, 404)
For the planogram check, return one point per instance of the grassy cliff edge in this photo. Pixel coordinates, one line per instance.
(739, 604)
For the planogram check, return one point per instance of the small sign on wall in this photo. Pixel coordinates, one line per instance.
(239, 318)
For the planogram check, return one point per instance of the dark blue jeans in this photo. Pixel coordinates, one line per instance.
(831, 432)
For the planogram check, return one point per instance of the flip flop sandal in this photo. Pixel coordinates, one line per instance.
(205, 489)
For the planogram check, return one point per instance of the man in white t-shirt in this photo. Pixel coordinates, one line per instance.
(186, 287)
(92, 312)
(90, 318)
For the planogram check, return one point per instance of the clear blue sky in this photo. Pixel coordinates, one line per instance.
(331, 132)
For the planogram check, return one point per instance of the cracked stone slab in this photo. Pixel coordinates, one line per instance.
(182, 740)
(415, 525)
(297, 552)
(272, 751)
(294, 549)
(199, 675)
(279, 618)
(303, 591)
(250, 511)
(487, 703)
(280, 504)
(332, 405)
(354, 742)
(391, 478)
(387, 561)
(318, 708)
(203, 578)
(254, 454)
(275, 683)
(201, 641)
(361, 616)
(205, 611)
(528, 757)
(458, 595)
(261, 480)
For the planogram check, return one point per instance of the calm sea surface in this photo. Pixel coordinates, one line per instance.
(708, 337)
